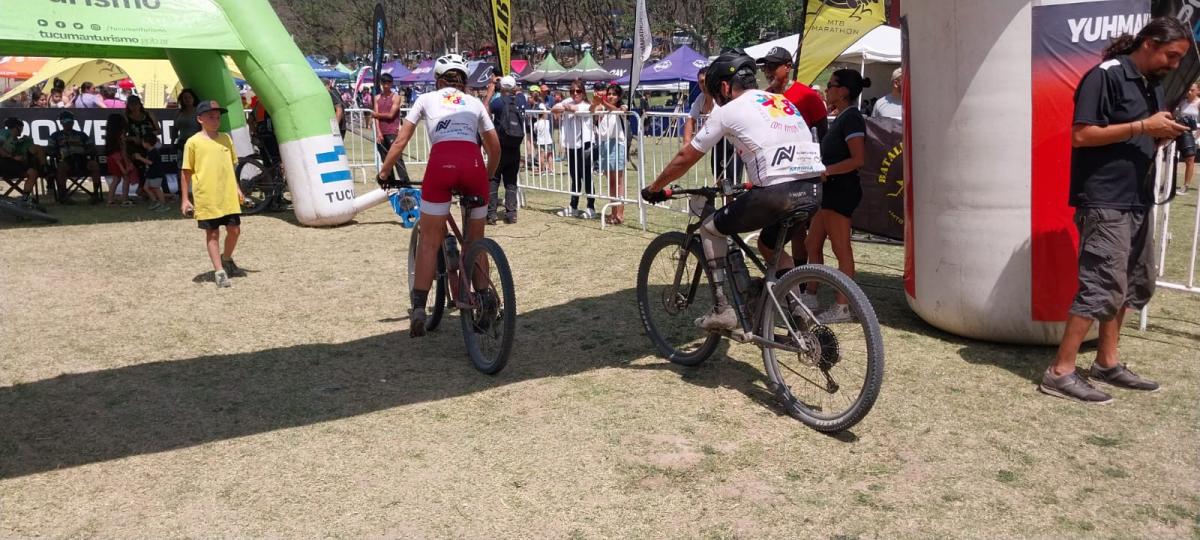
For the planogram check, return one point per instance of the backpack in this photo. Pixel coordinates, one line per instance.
(510, 123)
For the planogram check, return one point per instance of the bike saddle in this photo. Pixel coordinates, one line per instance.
(472, 201)
(799, 216)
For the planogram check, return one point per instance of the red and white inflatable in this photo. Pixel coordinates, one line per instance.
(991, 246)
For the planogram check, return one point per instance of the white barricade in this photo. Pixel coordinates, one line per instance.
(1162, 236)
(665, 134)
(603, 162)
(360, 141)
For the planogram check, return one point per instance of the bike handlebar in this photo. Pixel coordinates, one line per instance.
(672, 191)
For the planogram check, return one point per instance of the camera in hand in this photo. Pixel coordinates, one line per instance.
(1188, 120)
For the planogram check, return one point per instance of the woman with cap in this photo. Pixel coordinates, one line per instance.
(843, 151)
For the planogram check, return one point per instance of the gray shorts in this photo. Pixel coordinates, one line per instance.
(154, 183)
(1116, 262)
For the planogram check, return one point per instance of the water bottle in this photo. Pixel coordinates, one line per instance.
(737, 267)
(451, 248)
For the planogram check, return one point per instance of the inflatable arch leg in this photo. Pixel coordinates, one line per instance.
(970, 264)
(313, 152)
(206, 73)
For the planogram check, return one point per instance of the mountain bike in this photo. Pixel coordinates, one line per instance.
(25, 209)
(827, 376)
(477, 282)
(260, 176)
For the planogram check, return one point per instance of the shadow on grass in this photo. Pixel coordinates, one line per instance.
(82, 418)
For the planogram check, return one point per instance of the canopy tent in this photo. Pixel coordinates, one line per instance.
(394, 68)
(481, 74)
(678, 66)
(21, 67)
(787, 42)
(548, 68)
(324, 71)
(586, 70)
(342, 68)
(422, 74)
(619, 67)
(881, 45)
(154, 79)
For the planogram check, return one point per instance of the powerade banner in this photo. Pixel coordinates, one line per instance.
(40, 123)
(502, 24)
(831, 27)
(152, 24)
(378, 32)
(1068, 40)
(882, 177)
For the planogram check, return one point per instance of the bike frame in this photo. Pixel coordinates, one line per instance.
(768, 271)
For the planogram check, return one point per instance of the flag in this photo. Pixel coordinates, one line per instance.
(502, 24)
(831, 27)
(378, 32)
(643, 44)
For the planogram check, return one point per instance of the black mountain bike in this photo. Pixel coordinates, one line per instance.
(828, 376)
(260, 176)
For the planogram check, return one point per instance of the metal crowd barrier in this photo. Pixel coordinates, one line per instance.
(665, 135)
(362, 139)
(1161, 233)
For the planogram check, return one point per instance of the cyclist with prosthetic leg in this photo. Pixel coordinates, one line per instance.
(783, 166)
(456, 122)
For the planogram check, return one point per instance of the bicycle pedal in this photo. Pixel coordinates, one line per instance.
(741, 336)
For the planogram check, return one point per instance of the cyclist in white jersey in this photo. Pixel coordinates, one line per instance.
(782, 162)
(456, 123)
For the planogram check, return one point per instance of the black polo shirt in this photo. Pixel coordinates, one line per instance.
(1118, 175)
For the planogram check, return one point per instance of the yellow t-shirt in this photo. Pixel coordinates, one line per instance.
(214, 186)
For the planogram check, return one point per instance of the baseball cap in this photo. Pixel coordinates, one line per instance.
(777, 55)
(209, 105)
(508, 82)
(535, 88)
(898, 73)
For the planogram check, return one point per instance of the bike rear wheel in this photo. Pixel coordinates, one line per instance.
(260, 184)
(834, 385)
(670, 301)
(439, 280)
(491, 321)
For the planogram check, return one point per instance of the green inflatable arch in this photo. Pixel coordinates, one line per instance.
(194, 35)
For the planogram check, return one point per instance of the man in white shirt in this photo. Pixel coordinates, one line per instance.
(891, 105)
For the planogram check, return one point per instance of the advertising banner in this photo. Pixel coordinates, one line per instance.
(378, 33)
(1068, 40)
(41, 123)
(160, 24)
(831, 27)
(502, 24)
(882, 177)
(1176, 84)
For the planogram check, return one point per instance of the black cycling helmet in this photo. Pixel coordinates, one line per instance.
(730, 64)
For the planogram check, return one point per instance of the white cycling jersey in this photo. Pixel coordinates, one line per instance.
(451, 115)
(770, 137)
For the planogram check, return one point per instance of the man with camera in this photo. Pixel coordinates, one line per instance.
(1120, 120)
(508, 114)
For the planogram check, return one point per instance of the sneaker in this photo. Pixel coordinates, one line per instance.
(222, 279)
(1071, 386)
(1182, 190)
(721, 318)
(510, 219)
(153, 206)
(491, 219)
(1121, 377)
(416, 318)
(126, 202)
(163, 208)
(232, 268)
(566, 212)
(586, 214)
(837, 313)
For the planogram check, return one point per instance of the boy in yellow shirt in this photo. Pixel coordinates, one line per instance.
(208, 174)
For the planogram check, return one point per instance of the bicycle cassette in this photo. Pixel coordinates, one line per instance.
(406, 202)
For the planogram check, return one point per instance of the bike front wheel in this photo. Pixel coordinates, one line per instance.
(491, 320)
(439, 280)
(673, 290)
(834, 383)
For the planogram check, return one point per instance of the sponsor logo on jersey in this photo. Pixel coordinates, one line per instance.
(442, 125)
(776, 105)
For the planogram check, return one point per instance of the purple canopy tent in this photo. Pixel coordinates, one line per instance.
(395, 68)
(678, 66)
(423, 74)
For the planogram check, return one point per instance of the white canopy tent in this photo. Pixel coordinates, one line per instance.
(876, 55)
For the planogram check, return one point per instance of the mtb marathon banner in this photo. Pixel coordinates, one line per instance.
(144, 27)
(882, 178)
(1068, 40)
(831, 27)
(502, 25)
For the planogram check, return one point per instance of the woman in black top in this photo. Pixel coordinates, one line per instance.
(141, 124)
(842, 151)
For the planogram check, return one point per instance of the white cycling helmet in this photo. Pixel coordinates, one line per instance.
(450, 62)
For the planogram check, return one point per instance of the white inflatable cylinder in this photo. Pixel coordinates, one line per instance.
(969, 79)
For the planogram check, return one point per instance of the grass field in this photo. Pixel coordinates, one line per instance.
(139, 401)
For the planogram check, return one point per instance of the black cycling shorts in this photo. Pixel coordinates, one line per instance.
(842, 195)
(764, 208)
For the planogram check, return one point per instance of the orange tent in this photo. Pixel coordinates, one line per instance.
(20, 67)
